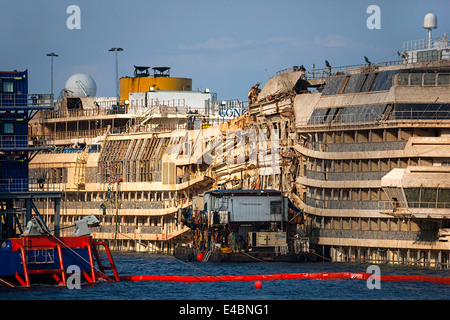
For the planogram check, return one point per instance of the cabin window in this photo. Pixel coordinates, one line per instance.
(403, 79)
(412, 196)
(427, 55)
(429, 79)
(8, 128)
(444, 197)
(275, 207)
(421, 111)
(8, 87)
(443, 79)
(416, 79)
(427, 197)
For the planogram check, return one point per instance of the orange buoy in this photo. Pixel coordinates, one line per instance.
(200, 257)
(258, 285)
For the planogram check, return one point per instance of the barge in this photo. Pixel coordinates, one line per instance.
(244, 226)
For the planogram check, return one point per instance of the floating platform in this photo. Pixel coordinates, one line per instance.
(44, 259)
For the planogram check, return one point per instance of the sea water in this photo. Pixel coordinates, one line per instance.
(129, 264)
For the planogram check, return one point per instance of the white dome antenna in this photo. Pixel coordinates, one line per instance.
(81, 85)
(430, 23)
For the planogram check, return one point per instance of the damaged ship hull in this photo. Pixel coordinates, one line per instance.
(362, 151)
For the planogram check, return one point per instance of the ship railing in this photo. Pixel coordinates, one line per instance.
(330, 71)
(381, 205)
(420, 115)
(29, 185)
(21, 142)
(429, 205)
(147, 128)
(158, 128)
(158, 110)
(342, 204)
(110, 104)
(134, 110)
(349, 119)
(130, 229)
(78, 113)
(26, 101)
(410, 207)
(145, 106)
(61, 135)
(423, 44)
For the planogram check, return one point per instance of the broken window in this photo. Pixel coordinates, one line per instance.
(383, 81)
(334, 85)
(354, 83)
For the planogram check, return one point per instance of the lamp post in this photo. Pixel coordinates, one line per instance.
(117, 74)
(51, 55)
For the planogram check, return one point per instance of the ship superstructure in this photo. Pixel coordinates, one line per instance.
(112, 158)
(361, 150)
(372, 158)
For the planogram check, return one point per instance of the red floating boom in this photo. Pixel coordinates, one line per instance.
(287, 276)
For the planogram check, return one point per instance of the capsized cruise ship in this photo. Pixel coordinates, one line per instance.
(362, 150)
(110, 156)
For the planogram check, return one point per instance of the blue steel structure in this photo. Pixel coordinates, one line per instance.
(17, 148)
(30, 252)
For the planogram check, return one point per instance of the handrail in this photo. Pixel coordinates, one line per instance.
(328, 72)
(29, 101)
(76, 113)
(421, 44)
(29, 184)
(27, 272)
(112, 266)
(12, 141)
(354, 118)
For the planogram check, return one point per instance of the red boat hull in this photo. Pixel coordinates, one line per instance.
(47, 258)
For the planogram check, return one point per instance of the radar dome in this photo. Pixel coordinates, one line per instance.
(430, 21)
(81, 85)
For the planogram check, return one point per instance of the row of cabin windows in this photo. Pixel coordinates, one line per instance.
(374, 113)
(423, 79)
(353, 194)
(369, 136)
(361, 165)
(428, 197)
(376, 224)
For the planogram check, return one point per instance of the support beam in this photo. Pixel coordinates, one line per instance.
(27, 210)
(57, 216)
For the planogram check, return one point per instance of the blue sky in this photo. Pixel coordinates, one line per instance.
(226, 46)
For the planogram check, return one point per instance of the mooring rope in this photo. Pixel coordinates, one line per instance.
(185, 263)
